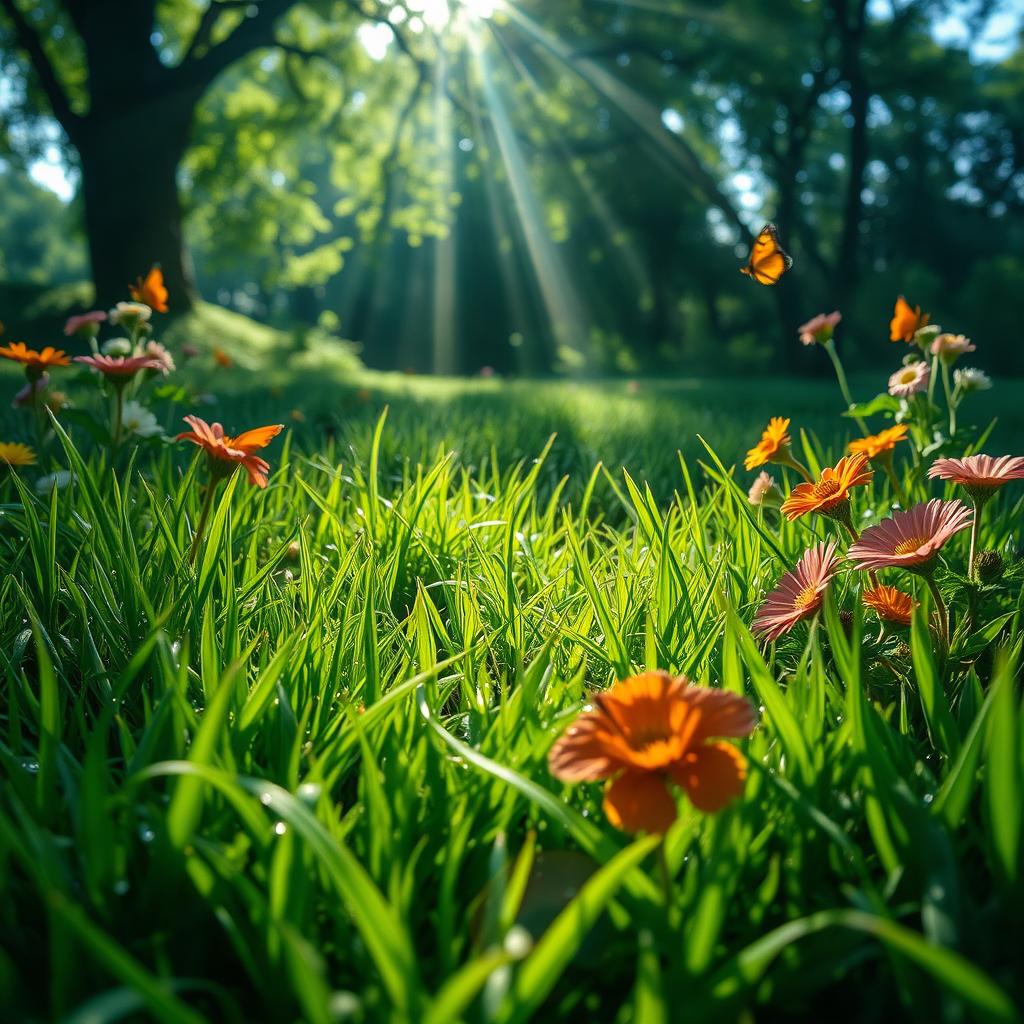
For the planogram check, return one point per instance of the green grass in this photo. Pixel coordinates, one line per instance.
(311, 784)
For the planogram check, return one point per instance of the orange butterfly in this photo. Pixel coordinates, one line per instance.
(767, 261)
(151, 291)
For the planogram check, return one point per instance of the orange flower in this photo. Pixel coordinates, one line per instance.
(650, 730)
(906, 322)
(890, 604)
(880, 443)
(828, 494)
(773, 446)
(232, 451)
(151, 291)
(35, 363)
(221, 358)
(15, 454)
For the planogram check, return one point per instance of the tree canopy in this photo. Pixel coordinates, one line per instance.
(531, 185)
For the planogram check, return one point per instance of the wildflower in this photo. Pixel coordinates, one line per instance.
(906, 322)
(830, 495)
(160, 353)
(890, 604)
(980, 475)
(116, 347)
(150, 291)
(820, 328)
(966, 380)
(140, 421)
(16, 454)
(925, 336)
(909, 380)
(221, 358)
(950, 347)
(30, 393)
(119, 369)
(487, 371)
(799, 594)
(227, 452)
(129, 313)
(54, 481)
(910, 539)
(297, 416)
(85, 325)
(773, 447)
(878, 445)
(648, 731)
(35, 363)
(765, 491)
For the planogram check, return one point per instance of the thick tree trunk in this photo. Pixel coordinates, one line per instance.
(133, 212)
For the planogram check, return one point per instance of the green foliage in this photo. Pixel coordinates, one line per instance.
(310, 782)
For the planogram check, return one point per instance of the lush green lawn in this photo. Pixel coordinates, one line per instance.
(307, 779)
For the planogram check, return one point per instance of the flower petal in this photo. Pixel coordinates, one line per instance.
(712, 776)
(639, 802)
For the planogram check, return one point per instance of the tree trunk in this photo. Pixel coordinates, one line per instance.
(133, 212)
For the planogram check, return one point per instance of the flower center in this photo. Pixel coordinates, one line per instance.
(908, 376)
(805, 598)
(826, 488)
(906, 547)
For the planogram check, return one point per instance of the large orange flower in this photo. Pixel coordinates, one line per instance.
(239, 450)
(881, 443)
(829, 493)
(35, 363)
(773, 446)
(650, 730)
(906, 322)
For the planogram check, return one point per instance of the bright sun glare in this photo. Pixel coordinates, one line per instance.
(445, 14)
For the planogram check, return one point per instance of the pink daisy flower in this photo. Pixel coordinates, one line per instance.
(910, 538)
(819, 328)
(798, 595)
(90, 321)
(909, 380)
(160, 353)
(764, 491)
(979, 472)
(120, 367)
(950, 347)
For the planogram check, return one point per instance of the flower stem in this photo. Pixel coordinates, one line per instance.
(830, 347)
(788, 459)
(211, 488)
(950, 403)
(895, 481)
(978, 506)
(941, 610)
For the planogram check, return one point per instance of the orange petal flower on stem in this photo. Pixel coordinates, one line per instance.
(906, 321)
(151, 290)
(799, 593)
(774, 442)
(890, 604)
(880, 443)
(831, 490)
(650, 730)
(33, 361)
(237, 451)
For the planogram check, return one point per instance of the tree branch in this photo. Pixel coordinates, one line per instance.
(45, 71)
(207, 21)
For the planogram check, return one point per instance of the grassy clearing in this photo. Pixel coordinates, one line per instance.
(306, 779)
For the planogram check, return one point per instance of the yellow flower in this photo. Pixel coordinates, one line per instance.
(15, 454)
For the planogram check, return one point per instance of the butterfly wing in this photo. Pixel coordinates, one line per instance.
(768, 262)
(156, 290)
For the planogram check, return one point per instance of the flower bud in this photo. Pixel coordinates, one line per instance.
(989, 566)
(116, 347)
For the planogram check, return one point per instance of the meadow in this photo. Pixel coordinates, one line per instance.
(305, 774)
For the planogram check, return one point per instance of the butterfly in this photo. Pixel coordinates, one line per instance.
(151, 291)
(767, 261)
